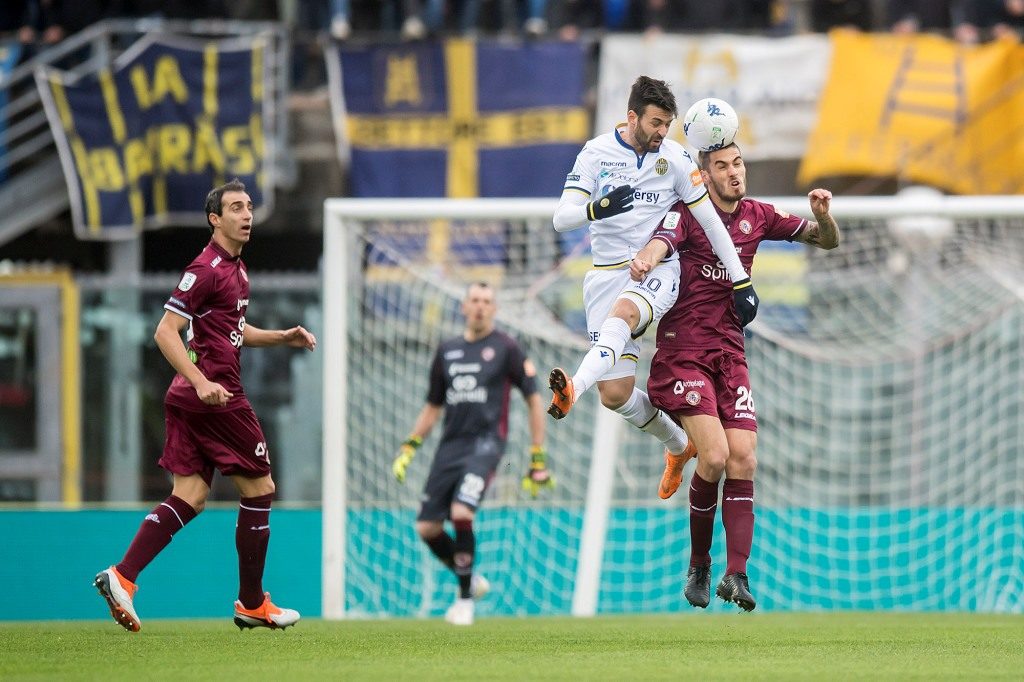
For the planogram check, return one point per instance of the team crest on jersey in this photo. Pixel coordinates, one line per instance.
(187, 280)
(692, 398)
(745, 226)
(661, 166)
(672, 220)
(487, 354)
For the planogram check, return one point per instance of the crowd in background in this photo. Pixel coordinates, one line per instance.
(44, 22)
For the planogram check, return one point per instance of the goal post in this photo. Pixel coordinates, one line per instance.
(886, 375)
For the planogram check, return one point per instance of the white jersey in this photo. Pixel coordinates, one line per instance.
(659, 179)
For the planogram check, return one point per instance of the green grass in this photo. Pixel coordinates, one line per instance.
(699, 646)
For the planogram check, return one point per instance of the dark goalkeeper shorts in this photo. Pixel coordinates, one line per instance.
(461, 472)
(197, 442)
(711, 382)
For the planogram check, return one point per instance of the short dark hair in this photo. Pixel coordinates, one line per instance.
(647, 90)
(213, 199)
(704, 158)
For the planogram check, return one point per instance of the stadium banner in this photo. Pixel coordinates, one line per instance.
(922, 108)
(144, 141)
(458, 118)
(773, 83)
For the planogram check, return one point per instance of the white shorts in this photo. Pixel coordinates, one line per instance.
(601, 288)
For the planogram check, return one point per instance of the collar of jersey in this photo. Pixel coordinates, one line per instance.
(639, 158)
(222, 252)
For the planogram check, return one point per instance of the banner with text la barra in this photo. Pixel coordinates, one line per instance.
(458, 118)
(143, 142)
(922, 108)
(773, 83)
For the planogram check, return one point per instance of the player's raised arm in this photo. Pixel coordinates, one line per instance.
(824, 233)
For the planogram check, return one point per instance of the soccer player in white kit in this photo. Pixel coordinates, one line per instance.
(622, 184)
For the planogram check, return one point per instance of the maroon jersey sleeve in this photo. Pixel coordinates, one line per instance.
(670, 229)
(437, 388)
(781, 226)
(192, 291)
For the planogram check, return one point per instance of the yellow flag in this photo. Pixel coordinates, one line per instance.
(923, 109)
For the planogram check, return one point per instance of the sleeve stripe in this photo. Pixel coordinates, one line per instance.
(176, 311)
(572, 188)
(704, 196)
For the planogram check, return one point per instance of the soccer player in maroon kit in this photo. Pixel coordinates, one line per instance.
(210, 423)
(699, 372)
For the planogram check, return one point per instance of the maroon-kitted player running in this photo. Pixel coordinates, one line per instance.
(699, 372)
(210, 423)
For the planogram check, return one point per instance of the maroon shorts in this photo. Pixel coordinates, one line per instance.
(232, 441)
(691, 382)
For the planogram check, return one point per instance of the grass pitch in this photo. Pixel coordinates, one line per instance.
(699, 646)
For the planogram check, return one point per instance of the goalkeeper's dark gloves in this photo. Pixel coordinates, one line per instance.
(405, 455)
(746, 301)
(538, 476)
(619, 200)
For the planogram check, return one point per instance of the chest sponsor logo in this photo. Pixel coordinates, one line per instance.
(454, 354)
(745, 226)
(242, 302)
(464, 389)
(647, 197)
(614, 164)
(464, 368)
(187, 280)
(661, 166)
(672, 220)
(487, 354)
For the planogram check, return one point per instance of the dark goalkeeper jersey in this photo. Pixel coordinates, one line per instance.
(472, 382)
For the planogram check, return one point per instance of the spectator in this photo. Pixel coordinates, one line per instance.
(912, 16)
(829, 14)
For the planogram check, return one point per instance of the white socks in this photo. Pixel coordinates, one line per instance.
(603, 356)
(639, 412)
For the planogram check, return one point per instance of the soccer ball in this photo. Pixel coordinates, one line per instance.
(710, 124)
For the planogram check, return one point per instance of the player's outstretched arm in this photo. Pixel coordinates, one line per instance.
(296, 337)
(824, 233)
(646, 258)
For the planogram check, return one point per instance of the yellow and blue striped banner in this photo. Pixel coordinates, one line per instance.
(143, 142)
(459, 118)
(922, 108)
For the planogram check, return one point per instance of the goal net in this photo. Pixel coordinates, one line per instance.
(887, 376)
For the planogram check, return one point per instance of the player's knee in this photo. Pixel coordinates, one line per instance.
(626, 309)
(614, 396)
(715, 458)
(742, 465)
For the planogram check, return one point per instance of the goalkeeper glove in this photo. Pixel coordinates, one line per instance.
(405, 454)
(746, 301)
(538, 476)
(619, 200)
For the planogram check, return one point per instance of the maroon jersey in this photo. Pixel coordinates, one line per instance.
(212, 295)
(704, 317)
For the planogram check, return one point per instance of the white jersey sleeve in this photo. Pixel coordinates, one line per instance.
(580, 184)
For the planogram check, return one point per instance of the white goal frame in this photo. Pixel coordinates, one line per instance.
(340, 238)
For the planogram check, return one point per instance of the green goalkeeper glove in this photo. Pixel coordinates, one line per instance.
(405, 455)
(538, 476)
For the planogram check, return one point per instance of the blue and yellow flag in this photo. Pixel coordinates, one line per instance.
(142, 143)
(459, 118)
(922, 108)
